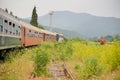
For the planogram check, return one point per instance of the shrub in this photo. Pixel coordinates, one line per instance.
(64, 51)
(41, 60)
(13, 54)
(91, 68)
(77, 67)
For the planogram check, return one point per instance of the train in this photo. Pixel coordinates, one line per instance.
(17, 33)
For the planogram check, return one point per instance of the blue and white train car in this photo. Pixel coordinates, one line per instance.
(10, 31)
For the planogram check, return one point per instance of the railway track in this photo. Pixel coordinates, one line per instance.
(60, 71)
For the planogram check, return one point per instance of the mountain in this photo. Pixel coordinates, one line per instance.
(83, 23)
(66, 33)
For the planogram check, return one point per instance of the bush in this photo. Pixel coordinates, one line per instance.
(77, 67)
(41, 60)
(91, 68)
(64, 51)
(13, 54)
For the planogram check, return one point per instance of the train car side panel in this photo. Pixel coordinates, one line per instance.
(10, 31)
(29, 41)
(32, 37)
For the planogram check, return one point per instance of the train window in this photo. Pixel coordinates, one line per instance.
(5, 21)
(18, 26)
(13, 33)
(6, 31)
(10, 23)
(16, 32)
(1, 28)
(13, 25)
(19, 34)
(1, 21)
(10, 32)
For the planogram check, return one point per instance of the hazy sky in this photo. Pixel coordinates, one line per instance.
(23, 8)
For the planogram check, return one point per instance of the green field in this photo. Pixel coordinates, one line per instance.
(85, 59)
(95, 61)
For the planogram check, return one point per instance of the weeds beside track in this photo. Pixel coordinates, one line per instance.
(60, 71)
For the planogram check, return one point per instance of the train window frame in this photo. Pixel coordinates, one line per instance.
(10, 23)
(6, 21)
(40, 35)
(1, 25)
(13, 33)
(28, 33)
(10, 32)
(13, 24)
(17, 32)
(6, 31)
(1, 21)
(18, 26)
(29, 30)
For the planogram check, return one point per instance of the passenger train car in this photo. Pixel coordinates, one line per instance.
(16, 33)
(10, 31)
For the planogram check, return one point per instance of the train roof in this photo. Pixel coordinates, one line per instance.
(29, 26)
(58, 33)
(61, 34)
(6, 15)
(48, 32)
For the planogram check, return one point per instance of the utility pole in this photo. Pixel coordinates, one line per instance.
(51, 13)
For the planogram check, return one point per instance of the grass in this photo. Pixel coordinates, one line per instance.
(19, 64)
(91, 61)
(17, 67)
(86, 60)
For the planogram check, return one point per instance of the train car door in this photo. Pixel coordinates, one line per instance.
(43, 36)
(23, 36)
(57, 37)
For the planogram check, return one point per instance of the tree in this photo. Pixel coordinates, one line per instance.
(41, 27)
(117, 37)
(109, 38)
(6, 10)
(34, 18)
